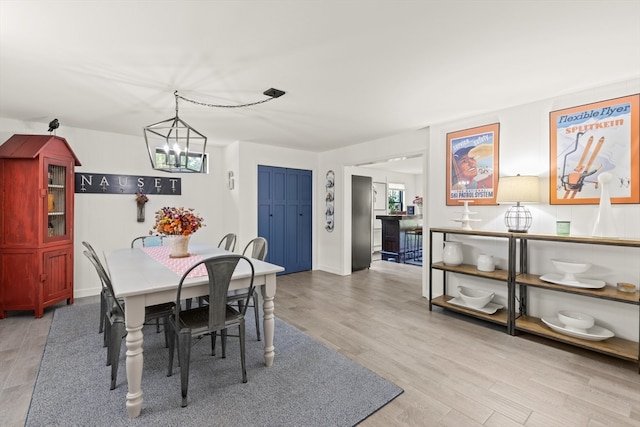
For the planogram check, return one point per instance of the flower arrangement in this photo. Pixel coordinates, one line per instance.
(417, 201)
(177, 222)
(141, 198)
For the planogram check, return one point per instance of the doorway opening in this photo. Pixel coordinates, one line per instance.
(397, 183)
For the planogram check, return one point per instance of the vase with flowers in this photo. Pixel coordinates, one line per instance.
(418, 202)
(178, 224)
(141, 200)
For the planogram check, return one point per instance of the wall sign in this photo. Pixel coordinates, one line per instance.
(86, 182)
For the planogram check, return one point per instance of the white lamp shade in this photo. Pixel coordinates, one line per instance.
(519, 188)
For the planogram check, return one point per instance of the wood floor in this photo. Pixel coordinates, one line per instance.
(455, 371)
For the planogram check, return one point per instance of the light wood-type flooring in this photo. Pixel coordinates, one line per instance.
(455, 371)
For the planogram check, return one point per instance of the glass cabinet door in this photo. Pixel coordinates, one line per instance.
(56, 201)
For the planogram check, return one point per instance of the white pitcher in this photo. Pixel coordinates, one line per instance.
(452, 253)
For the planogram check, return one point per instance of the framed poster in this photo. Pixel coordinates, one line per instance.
(472, 165)
(591, 139)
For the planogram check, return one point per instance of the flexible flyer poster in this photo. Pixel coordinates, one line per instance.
(592, 139)
(472, 165)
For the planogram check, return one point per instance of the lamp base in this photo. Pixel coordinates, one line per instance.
(517, 219)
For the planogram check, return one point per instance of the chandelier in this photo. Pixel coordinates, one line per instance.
(175, 146)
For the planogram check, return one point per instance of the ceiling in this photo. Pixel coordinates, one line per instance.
(353, 71)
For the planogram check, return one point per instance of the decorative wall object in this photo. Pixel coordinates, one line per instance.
(230, 181)
(472, 164)
(329, 200)
(141, 200)
(88, 182)
(590, 139)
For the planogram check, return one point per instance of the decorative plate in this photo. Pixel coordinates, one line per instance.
(595, 333)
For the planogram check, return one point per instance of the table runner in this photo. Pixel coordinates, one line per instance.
(177, 265)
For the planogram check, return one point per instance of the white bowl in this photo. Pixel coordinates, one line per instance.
(570, 268)
(576, 321)
(475, 298)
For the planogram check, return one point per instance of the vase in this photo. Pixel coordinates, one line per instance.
(452, 253)
(605, 224)
(486, 262)
(418, 210)
(179, 246)
(140, 212)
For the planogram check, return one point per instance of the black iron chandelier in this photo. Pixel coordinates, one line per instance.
(174, 146)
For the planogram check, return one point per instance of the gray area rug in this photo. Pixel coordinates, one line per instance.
(309, 384)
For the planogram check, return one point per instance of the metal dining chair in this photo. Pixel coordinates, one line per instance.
(115, 324)
(209, 319)
(114, 321)
(259, 249)
(147, 241)
(103, 292)
(228, 242)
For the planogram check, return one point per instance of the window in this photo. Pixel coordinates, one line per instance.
(396, 197)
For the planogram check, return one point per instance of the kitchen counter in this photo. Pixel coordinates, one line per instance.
(394, 239)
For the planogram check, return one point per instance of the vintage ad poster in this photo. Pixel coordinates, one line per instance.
(472, 165)
(594, 145)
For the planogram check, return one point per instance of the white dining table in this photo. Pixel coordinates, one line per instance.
(142, 280)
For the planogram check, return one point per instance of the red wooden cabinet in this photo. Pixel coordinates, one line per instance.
(36, 222)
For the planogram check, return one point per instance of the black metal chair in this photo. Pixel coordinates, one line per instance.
(103, 292)
(147, 241)
(115, 325)
(228, 242)
(217, 316)
(259, 249)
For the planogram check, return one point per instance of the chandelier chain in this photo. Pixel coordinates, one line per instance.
(204, 104)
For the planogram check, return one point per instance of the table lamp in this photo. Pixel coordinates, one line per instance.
(518, 189)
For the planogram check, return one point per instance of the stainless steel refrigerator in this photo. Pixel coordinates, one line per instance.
(361, 221)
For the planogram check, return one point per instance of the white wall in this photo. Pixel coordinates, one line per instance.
(524, 149)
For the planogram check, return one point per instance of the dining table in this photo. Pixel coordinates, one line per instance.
(147, 276)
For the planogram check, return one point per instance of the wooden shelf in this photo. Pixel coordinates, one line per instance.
(608, 292)
(500, 317)
(472, 270)
(582, 239)
(618, 347)
(471, 232)
(520, 321)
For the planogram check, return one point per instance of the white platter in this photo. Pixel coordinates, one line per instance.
(490, 308)
(595, 333)
(581, 283)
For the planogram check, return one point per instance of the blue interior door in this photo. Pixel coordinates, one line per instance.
(284, 216)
